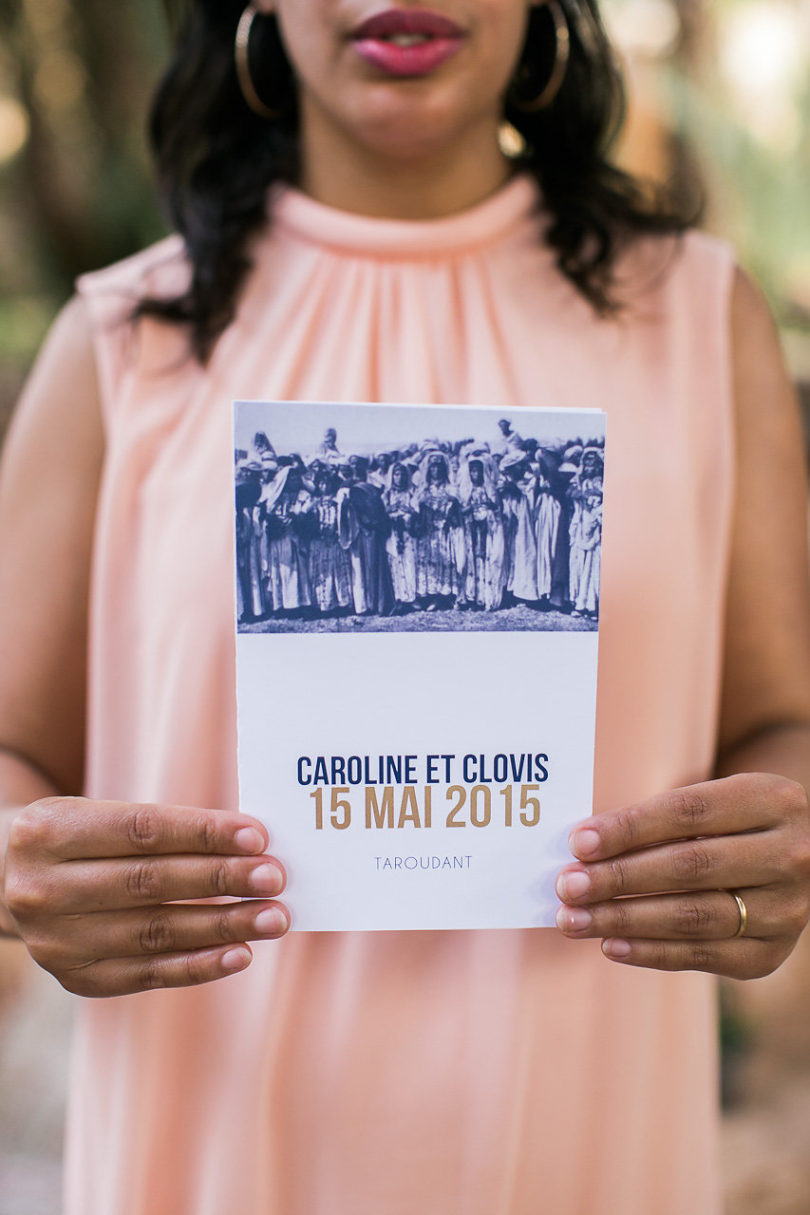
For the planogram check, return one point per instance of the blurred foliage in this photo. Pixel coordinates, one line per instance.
(75, 190)
(731, 84)
(745, 108)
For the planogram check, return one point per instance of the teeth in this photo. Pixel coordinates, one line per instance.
(407, 39)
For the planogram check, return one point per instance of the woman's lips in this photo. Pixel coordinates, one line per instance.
(407, 42)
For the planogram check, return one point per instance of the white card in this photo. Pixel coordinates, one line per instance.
(417, 600)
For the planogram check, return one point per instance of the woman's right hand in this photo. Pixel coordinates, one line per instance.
(99, 893)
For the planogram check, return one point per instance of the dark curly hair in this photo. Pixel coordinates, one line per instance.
(216, 158)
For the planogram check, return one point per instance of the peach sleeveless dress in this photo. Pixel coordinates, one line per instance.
(490, 1073)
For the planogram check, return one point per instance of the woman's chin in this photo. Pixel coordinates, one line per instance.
(408, 137)
(409, 148)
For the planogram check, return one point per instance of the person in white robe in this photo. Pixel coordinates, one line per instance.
(587, 481)
(590, 543)
(286, 577)
(520, 558)
(400, 546)
(440, 551)
(483, 582)
(547, 512)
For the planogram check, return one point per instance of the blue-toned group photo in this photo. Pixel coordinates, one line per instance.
(438, 534)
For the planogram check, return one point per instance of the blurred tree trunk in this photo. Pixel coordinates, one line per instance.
(38, 191)
(80, 188)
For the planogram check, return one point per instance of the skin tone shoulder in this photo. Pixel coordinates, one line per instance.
(92, 887)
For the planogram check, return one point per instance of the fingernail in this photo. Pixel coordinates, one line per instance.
(584, 842)
(248, 839)
(267, 879)
(271, 922)
(573, 885)
(613, 947)
(573, 919)
(236, 959)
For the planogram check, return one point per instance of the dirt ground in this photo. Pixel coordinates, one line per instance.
(518, 619)
(766, 1131)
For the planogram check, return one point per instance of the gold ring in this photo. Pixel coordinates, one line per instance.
(743, 910)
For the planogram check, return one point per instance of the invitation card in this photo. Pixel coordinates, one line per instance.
(417, 615)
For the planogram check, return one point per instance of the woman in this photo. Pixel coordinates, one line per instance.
(520, 573)
(483, 580)
(440, 543)
(282, 506)
(363, 528)
(589, 546)
(250, 601)
(400, 546)
(330, 571)
(588, 481)
(547, 512)
(461, 1073)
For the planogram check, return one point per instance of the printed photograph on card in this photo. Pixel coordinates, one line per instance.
(356, 518)
(416, 594)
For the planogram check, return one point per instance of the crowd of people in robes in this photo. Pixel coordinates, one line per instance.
(433, 526)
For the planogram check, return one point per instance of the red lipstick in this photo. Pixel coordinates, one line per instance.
(407, 42)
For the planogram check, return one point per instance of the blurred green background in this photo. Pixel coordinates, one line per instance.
(720, 95)
(720, 105)
(75, 187)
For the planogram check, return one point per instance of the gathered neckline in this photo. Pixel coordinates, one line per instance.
(481, 225)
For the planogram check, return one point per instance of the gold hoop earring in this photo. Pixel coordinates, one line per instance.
(562, 54)
(242, 60)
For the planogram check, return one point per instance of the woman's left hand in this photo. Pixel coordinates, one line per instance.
(683, 857)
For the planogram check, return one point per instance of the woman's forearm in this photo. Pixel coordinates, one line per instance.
(783, 750)
(20, 784)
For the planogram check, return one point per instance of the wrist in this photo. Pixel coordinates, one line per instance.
(8, 928)
(21, 783)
